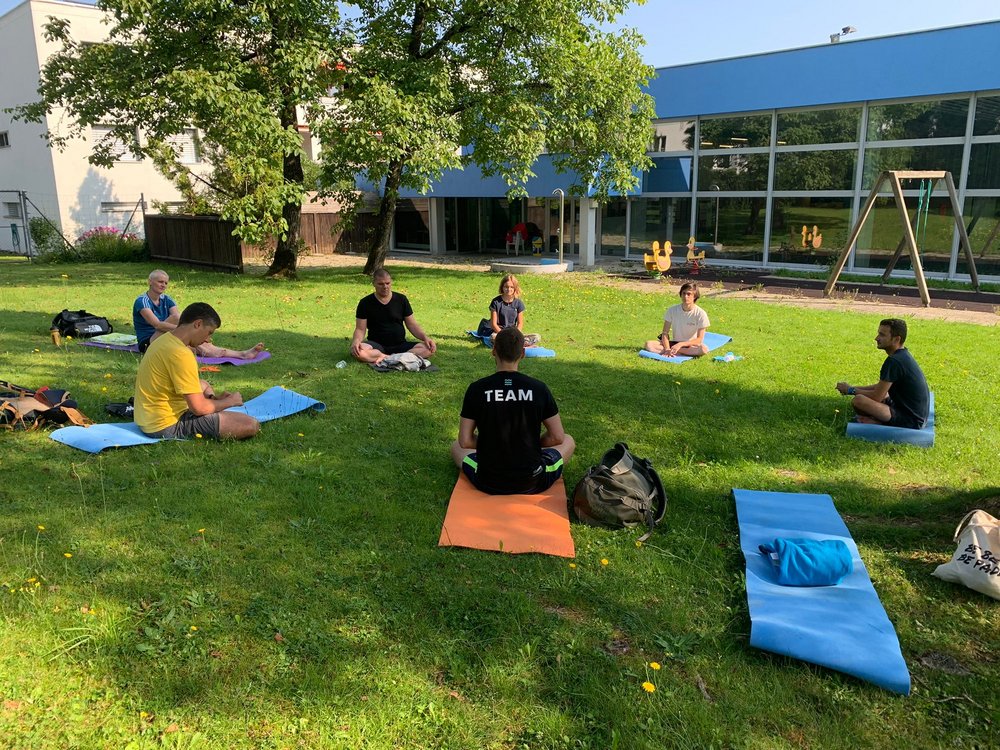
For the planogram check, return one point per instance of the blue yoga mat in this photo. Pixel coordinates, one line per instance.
(712, 341)
(880, 433)
(531, 351)
(843, 627)
(271, 404)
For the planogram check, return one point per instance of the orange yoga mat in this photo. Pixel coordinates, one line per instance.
(508, 523)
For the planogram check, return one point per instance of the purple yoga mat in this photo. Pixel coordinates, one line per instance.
(134, 348)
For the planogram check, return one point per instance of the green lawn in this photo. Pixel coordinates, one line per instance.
(289, 592)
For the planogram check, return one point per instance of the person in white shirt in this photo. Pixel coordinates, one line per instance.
(684, 327)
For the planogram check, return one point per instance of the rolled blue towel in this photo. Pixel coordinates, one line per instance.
(809, 562)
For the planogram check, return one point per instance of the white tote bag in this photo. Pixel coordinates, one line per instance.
(976, 562)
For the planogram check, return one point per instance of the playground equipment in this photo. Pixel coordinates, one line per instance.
(694, 259)
(658, 259)
(928, 180)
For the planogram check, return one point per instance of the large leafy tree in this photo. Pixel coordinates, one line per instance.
(440, 84)
(235, 69)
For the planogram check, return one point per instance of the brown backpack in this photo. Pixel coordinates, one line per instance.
(25, 409)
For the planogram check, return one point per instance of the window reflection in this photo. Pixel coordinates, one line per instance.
(934, 119)
(814, 170)
(809, 230)
(657, 220)
(982, 222)
(735, 172)
(984, 166)
(672, 136)
(948, 158)
(613, 227)
(413, 224)
(735, 132)
(823, 126)
(987, 116)
(733, 226)
(883, 231)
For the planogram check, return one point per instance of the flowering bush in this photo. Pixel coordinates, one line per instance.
(104, 244)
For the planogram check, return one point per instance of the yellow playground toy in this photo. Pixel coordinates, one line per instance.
(659, 258)
(694, 259)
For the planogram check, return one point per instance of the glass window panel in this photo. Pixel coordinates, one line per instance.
(659, 220)
(984, 166)
(669, 175)
(736, 132)
(412, 224)
(987, 116)
(883, 230)
(613, 227)
(814, 170)
(672, 136)
(809, 230)
(733, 172)
(935, 119)
(822, 126)
(731, 228)
(911, 157)
(982, 222)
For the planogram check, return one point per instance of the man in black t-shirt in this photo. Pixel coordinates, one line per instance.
(900, 398)
(383, 315)
(501, 446)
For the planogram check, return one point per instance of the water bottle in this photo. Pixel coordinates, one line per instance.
(341, 365)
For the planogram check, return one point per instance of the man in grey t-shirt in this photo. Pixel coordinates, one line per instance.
(684, 327)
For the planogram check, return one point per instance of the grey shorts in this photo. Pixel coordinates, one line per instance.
(392, 348)
(189, 426)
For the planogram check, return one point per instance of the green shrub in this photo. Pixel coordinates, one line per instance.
(45, 236)
(109, 245)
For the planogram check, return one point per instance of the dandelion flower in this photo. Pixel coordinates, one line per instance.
(201, 531)
(194, 628)
(107, 375)
(677, 382)
(301, 434)
(604, 561)
(64, 275)
(104, 389)
(37, 350)
(638, 544)
(649, 687)
(654, 665)
(198, 435)
(41, 528)
(69, 338)
(67, 555)
(572, 566)
(836, 411)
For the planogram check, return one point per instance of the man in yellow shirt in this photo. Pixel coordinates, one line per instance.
(171, 401)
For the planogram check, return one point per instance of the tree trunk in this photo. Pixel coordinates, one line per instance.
(286, 253)
(756, 204)
(386, 215)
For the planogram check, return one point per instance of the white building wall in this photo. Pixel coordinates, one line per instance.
(63, 184)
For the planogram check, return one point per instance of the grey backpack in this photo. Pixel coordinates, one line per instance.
(623, 490)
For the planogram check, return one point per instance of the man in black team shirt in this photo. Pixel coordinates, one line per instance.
(900, 397)
(383, 315)
(501, 446)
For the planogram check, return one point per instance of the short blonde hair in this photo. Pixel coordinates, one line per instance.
(157, 272)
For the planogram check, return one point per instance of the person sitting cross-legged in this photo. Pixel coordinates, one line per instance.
(154, 313)
(502, 446)
(171, 401)
(383, 316)
(684, 327)
(900, 398)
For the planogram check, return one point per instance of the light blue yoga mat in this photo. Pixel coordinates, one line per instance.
(843, 627)
(531, 351)
(271, 404)
(881, 433)
(712, 341)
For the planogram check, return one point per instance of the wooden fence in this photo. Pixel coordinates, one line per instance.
(208, 240)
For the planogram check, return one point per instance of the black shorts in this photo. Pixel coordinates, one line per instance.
(393, 348)
(144, 345)
(901, 420)
(548, 471)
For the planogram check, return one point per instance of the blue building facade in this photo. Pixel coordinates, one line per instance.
(768, 159)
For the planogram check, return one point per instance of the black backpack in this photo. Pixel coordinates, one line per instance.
(81, 324)
(621, 491)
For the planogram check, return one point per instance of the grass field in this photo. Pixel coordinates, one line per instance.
(288, 591)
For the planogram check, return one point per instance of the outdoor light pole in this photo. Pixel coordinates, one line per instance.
(562, 198)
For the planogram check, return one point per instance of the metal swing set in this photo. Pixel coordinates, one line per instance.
(928, 180)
